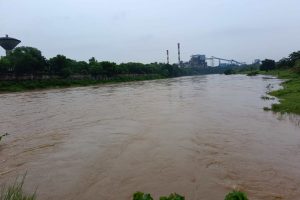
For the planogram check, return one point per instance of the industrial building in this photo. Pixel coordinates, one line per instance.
(198, 61)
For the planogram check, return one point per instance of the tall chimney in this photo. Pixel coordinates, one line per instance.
(168, 57)
(179, 61)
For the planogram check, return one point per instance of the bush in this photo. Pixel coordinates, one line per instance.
(253, 73)
(236, 195)
(297, 67)
(172, 197)
(229, 72)
(142, 196)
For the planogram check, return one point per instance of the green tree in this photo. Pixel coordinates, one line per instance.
(60, 65)
(109, 68)
(5, 65)
(92, 60)
(171, 70)
(283, 63)
(267, 65)
(27, 60)
(78, 67)
(297, 66)
(294, 57)
(96, 70)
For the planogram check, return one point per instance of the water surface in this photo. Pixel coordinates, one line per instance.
(198, 136)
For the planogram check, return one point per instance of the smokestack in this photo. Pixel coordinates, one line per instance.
(168, 57)
(179, 61)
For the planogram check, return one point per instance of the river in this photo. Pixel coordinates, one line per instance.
(199, 136)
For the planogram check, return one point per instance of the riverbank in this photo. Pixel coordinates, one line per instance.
(289, 95)
(27, 85)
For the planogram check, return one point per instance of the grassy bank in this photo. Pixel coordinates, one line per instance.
(25, 85)
(289, 96)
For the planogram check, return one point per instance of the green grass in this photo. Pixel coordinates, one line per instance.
(15, 192)
(252, 73)
(25, 85)
(289, 96)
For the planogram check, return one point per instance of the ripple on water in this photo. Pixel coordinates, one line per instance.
(200, 136)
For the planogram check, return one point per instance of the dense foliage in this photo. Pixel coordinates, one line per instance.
(25, 68)
(291, 62)
(267, 65)
(30, 61)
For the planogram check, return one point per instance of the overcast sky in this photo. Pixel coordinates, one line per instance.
(142, 30)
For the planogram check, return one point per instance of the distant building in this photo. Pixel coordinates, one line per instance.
(198, 61)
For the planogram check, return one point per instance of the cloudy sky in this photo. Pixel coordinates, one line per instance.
(141, 30)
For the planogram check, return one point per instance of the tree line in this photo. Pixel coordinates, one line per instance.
(30, 61)
(291, 62)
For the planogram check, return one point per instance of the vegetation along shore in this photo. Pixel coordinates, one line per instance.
(25, 68)
(287, 69)
(16, 192)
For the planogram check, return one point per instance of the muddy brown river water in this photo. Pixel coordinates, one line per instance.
(198, 136)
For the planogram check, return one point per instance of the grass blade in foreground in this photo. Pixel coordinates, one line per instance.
(15, 192)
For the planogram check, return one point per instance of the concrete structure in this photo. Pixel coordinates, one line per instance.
(179, 60)
(8, 43)
(168, 60)
(227, 61)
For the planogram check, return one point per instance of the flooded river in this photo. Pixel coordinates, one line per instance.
(198, 136)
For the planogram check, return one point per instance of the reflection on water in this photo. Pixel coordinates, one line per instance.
(199, 136)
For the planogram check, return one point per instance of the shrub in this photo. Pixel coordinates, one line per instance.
(142, 196)
(297, 67)
(229, 72)
(172, 197)
(236, 195)
(15, 192)
(253, 73)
